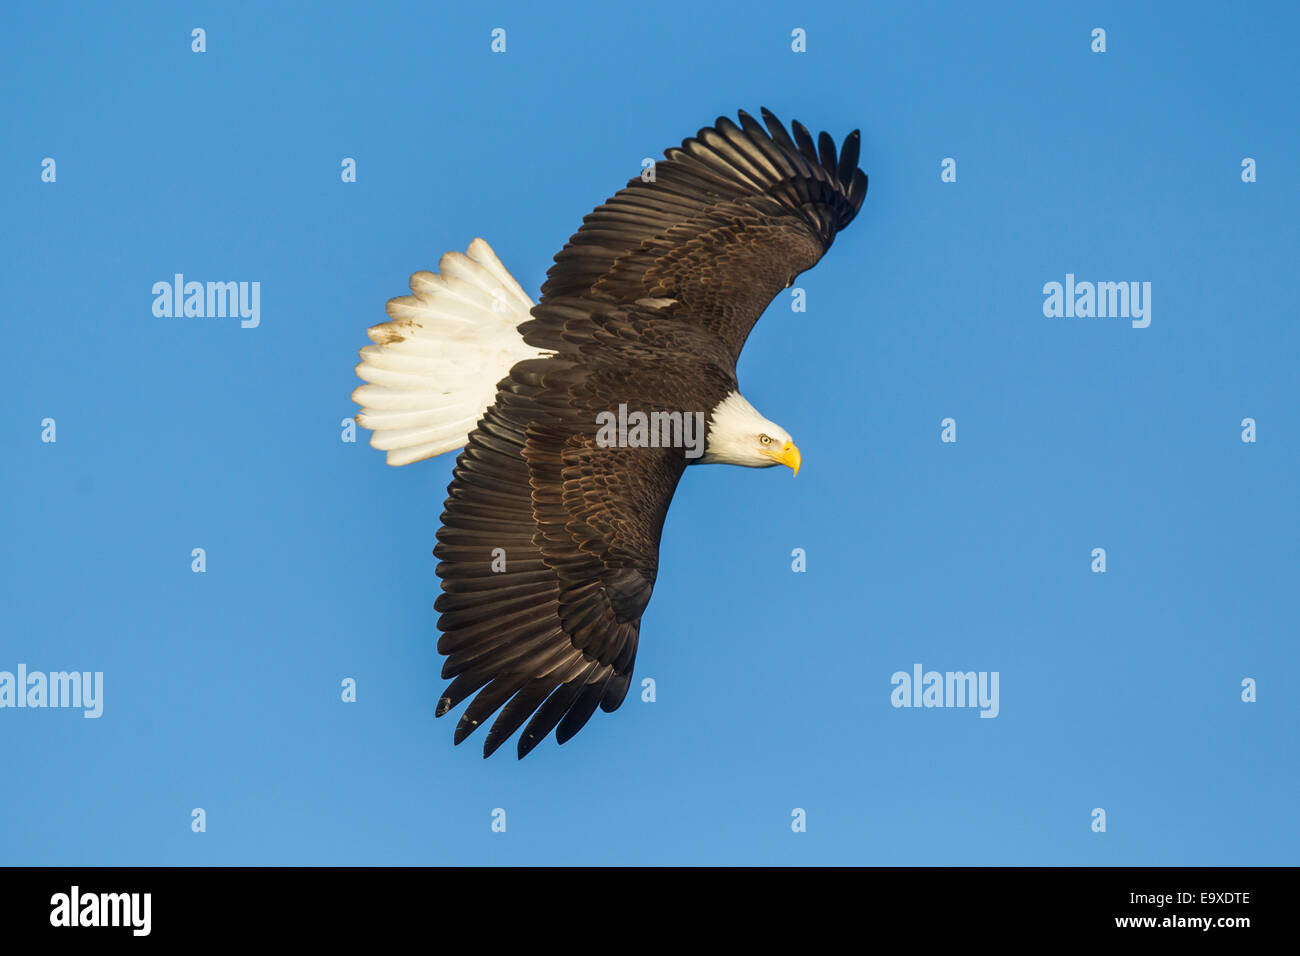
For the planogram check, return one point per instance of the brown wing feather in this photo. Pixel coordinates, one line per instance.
(555, 634)
(731, 218)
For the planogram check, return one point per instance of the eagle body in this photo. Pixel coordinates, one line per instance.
(549, 545)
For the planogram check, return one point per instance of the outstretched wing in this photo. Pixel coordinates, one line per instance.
(728, 220)
(549, 542)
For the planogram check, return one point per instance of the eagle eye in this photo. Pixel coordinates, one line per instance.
(766, 440)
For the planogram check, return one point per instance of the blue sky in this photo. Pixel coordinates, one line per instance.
(1119, 690)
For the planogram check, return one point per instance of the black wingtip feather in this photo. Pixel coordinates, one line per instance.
(463, 730)
(805, 142)
(849, 151)
(581, 711)
(826, 152)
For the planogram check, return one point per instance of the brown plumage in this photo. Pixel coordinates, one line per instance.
(648, 304)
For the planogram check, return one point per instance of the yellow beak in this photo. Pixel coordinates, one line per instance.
(790, 456)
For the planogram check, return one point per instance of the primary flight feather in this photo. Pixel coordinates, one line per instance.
(549, 544)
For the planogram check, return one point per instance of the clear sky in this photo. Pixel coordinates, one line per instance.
(221, 690)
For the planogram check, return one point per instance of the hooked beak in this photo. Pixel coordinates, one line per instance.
(790, 457)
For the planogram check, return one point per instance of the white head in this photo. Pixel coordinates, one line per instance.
(739, 435)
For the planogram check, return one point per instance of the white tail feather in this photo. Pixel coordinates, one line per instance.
(433, 369)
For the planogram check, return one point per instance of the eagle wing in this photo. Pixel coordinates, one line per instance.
(555, 633)
(729, 220)
(549, 544)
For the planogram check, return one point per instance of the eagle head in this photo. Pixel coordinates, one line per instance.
(739, 435)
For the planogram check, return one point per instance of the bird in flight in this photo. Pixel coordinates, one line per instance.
(578, 414)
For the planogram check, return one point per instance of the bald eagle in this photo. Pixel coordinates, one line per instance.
(549, 544)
